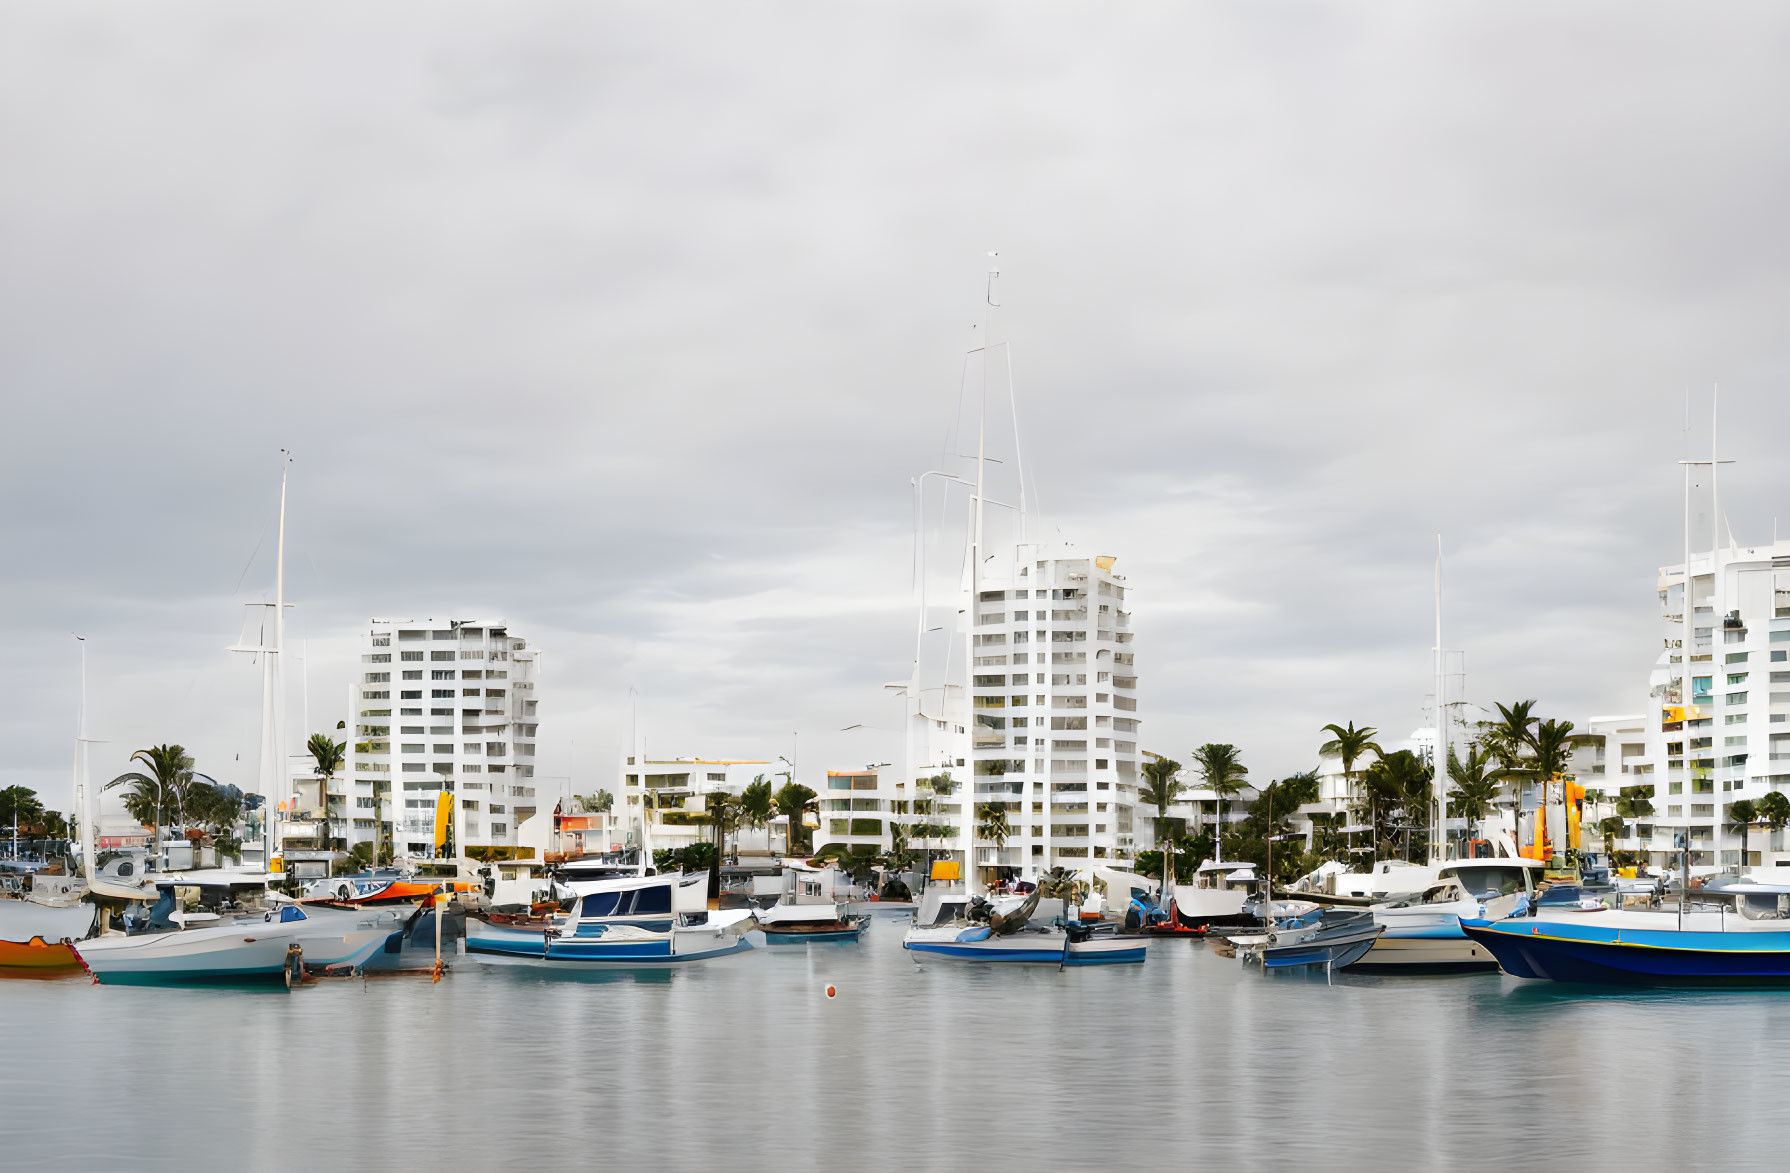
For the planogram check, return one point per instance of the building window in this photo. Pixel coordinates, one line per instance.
(413, 674)
(376, 695)
(411, 694)
(500, 829)
(379, 678)
(444, 749)
(411, 747)
(439, 656)
(440, 694)
(438, 674)
(410, 656)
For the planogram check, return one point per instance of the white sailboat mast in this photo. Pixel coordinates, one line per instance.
(1439, 781)
(968, 810)
(85, 814)
(273, 689)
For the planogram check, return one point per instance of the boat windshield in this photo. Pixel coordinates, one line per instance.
(1491, 881)
(1765, 906)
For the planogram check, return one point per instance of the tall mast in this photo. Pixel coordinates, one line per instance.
(968, 810)
(83, 813)
(1439, 780)
(273, 690)
(1684, 658)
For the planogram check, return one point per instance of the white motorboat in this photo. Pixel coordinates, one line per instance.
(213, 948)
(1423, 932)
(943, 929)
(622, 922)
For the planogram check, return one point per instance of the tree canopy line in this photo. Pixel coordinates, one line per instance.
(1391, 796)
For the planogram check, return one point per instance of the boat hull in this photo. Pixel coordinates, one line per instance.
(37, 956)
(1028, 948)
(198, 955)
(1601, 955)
(616, 950)
(1426, 954)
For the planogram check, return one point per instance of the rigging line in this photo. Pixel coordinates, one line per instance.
(251, 562)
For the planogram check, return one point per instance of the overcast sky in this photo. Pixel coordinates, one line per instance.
(629, 324)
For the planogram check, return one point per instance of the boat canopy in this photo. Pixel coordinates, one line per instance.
(1213, 865)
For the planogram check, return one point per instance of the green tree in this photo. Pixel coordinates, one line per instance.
(1398, 790)
(1551, 745)
(1351, 745)
(794, 800)
(1773, 809)
(757, 803)
(1476, 785)
(1223, 773)
(329, 755)
(19, 804)
(1636, 802)
(156, 797)
(724, 818)
(1744, 812)
(1161, 786)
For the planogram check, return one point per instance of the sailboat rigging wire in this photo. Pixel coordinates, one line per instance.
(243, 577)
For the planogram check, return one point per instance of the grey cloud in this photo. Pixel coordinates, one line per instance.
(609, 320)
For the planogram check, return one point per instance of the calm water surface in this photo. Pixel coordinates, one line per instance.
(1188, 1061)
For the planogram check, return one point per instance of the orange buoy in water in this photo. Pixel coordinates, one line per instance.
(831, 992)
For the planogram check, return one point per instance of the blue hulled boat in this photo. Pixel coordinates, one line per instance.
(1743, 943)
(628, 922)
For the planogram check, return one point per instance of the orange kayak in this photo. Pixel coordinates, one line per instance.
(37, 954)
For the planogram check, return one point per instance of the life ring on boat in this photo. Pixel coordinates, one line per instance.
(344, 892)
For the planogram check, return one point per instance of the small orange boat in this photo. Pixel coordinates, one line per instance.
(37, 956)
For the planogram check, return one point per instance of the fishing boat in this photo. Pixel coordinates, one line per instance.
(950, 925)
(22, 918)
(1423, 931)
(632, 922)
(808, 910)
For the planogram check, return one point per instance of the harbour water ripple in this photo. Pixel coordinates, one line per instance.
(745, 1064)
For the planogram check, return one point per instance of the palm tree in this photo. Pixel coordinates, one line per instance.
(329, 754)
(1162, 785)
(724, 817)
(1773, 809)
(991, 824)
(20, 804)
(1222, 772)
(1476, 785)
(793, 801)
(158, 793)
(1351, 745)
(1551, 745)
(1745, 812)
(756, 803)
(1398, 783)
(1509, 737)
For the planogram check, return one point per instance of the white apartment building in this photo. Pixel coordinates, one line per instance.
(1730, 737)
(1035, 708)
(679, 788)
(441, 707)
